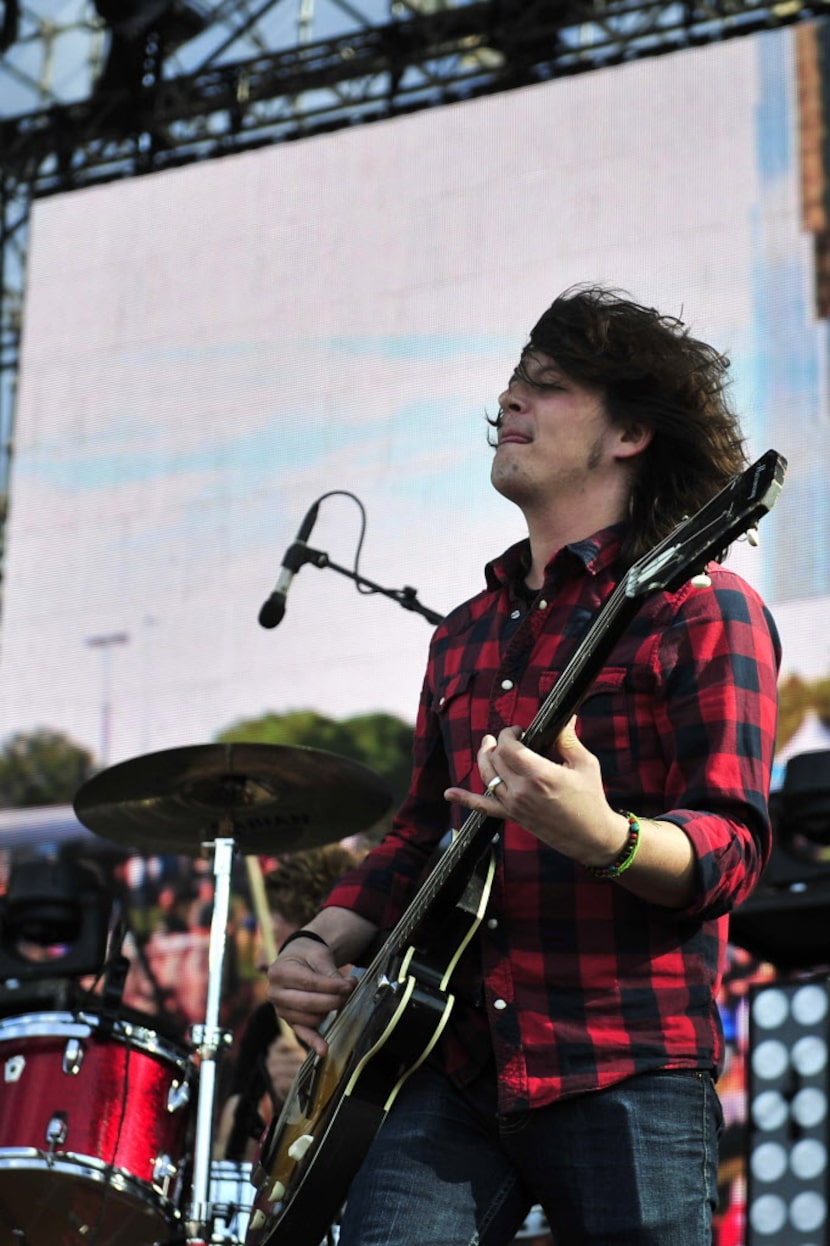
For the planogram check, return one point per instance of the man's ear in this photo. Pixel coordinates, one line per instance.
(633, 438)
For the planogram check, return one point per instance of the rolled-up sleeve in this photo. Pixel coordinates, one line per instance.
(717, 661)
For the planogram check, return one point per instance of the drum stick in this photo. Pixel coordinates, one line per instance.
(256, 883)
(259, 899)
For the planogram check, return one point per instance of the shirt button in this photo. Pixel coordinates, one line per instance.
(517, 614)
(492, 923)
(542, 605)
(507, 684)
(501, 1004)
(443, 701)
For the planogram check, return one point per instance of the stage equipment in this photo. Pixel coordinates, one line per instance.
(787, 919)
(788, 1135)
(9, 23)
(804, 812)
(299, 553)
(217, 799)
(96, 1121)
(142, 33)
(277, 798)
(54, 921)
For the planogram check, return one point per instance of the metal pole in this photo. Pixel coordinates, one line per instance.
(209, 1040)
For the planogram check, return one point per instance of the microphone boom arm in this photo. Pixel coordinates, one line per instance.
(405, 597)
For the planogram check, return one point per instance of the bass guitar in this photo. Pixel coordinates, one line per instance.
(401, 1005)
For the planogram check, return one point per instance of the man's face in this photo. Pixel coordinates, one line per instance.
(554, 435)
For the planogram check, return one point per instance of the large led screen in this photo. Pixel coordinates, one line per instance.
(208, 351)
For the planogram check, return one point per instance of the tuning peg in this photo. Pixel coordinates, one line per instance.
(701, 581)
(752, 537)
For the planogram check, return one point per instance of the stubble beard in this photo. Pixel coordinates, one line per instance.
(507, 479)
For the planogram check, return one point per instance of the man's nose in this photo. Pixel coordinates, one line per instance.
(510, 399)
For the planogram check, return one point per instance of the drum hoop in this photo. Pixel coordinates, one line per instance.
(89, 1167)
(85, 1024)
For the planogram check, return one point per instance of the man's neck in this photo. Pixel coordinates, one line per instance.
(552, 530)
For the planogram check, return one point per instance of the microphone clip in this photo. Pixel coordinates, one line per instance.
(298, 554)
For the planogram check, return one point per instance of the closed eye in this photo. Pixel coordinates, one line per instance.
(546, 380)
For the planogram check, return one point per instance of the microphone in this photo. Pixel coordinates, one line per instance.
(274, 608)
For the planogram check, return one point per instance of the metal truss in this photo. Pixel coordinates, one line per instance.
(414, 61)
(246, 73)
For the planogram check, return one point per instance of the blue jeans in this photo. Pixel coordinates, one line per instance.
(633, 1165)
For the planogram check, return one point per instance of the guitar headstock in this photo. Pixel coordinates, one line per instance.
(734, 511)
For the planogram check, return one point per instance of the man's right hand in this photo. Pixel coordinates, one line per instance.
(305, 985)
(306, 982)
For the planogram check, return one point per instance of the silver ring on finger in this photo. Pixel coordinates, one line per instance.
(495, 782)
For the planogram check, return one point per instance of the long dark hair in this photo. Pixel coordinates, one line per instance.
(653, 372)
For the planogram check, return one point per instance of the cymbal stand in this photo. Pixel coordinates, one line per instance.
(209, 1039)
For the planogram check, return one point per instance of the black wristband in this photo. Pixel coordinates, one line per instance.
(303, 934)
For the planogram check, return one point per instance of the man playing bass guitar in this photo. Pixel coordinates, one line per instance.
(577, 1066)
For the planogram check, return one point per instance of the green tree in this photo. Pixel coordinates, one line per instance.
(41, 768)
(796, 697)
(380, 741)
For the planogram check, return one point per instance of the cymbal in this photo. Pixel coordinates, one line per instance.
(268, 797)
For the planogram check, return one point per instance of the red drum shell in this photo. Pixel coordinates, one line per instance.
(95, 1125)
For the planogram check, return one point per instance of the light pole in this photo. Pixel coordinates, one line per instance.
(105, 644)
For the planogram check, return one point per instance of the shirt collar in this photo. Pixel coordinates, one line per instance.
(592, 555)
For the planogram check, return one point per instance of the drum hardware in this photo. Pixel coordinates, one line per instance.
(56, 1132)
(212, 1039)
(115, 971)
(73, 1057)
(178, 1096)
(165, 1172)
(216, 800)
(13, 1069)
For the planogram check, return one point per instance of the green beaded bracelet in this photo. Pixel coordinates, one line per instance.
(626, 857)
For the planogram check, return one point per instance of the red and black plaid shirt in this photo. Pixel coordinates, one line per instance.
(574, 983)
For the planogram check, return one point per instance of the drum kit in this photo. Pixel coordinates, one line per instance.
(107, 1127)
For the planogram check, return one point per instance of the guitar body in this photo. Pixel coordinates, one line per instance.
(390, 1024)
